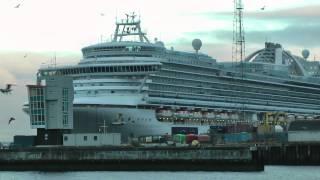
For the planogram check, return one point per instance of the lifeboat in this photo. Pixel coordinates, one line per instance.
(197, 115)
(210, 115)
(291, 117)
(165, 113)
(225, 116)
(300, 117)
(118, 123)
(182, 114)
(309, 118)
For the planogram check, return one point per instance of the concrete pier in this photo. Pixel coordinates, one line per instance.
(291, 154)
(131, 159)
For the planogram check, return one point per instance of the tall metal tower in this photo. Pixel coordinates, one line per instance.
(238, 48)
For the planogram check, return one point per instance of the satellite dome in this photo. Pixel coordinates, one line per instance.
(160, 43)
(305, 53)
(196, 44)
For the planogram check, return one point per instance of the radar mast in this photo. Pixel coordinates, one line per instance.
(238, 48)
(129, 27)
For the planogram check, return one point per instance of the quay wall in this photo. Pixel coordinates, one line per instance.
(116, 158)
(291, 154)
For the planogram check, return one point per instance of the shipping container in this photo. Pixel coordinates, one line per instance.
(158, 139)
(237, 128)
(245, 137)
(154, 139)
(179, 138)
(204, 138)
(237, 137)
(191, 137)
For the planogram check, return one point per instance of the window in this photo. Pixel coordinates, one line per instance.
(65, 138)
(65, 106)
(95, 138)
(85, 138)
(37, 105)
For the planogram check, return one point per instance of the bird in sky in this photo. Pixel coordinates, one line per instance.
(11, 119)
(18, 5)
(7, 89)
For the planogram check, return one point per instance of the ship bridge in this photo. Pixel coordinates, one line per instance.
(274, 60)
(121, 49)
(128, 41)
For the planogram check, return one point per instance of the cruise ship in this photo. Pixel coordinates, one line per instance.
(138, 87)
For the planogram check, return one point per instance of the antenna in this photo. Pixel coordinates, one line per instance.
(129, 27)
(104, 126)
(238, 48)
(54, 60)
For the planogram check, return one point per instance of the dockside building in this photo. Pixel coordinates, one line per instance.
(51, 109)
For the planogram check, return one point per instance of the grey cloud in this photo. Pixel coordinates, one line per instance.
(24, 65)
(306, 35)
(306, 12)
(219, 51)
(299, 12)
(299, 35)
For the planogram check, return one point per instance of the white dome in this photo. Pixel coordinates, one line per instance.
(196, 44)
(305, 53)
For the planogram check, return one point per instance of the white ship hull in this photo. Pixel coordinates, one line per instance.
(130, 122)
(127, 84)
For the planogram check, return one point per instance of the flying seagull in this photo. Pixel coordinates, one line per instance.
(17, 6)
(11, 119)
(7, 89)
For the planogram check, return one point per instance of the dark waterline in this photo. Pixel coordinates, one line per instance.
(271, 172)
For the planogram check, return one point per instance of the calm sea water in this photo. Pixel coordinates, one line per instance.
(271, 172)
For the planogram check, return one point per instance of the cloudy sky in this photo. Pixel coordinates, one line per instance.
(33, 33)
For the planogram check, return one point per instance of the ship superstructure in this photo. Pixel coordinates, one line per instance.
(141, 88)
